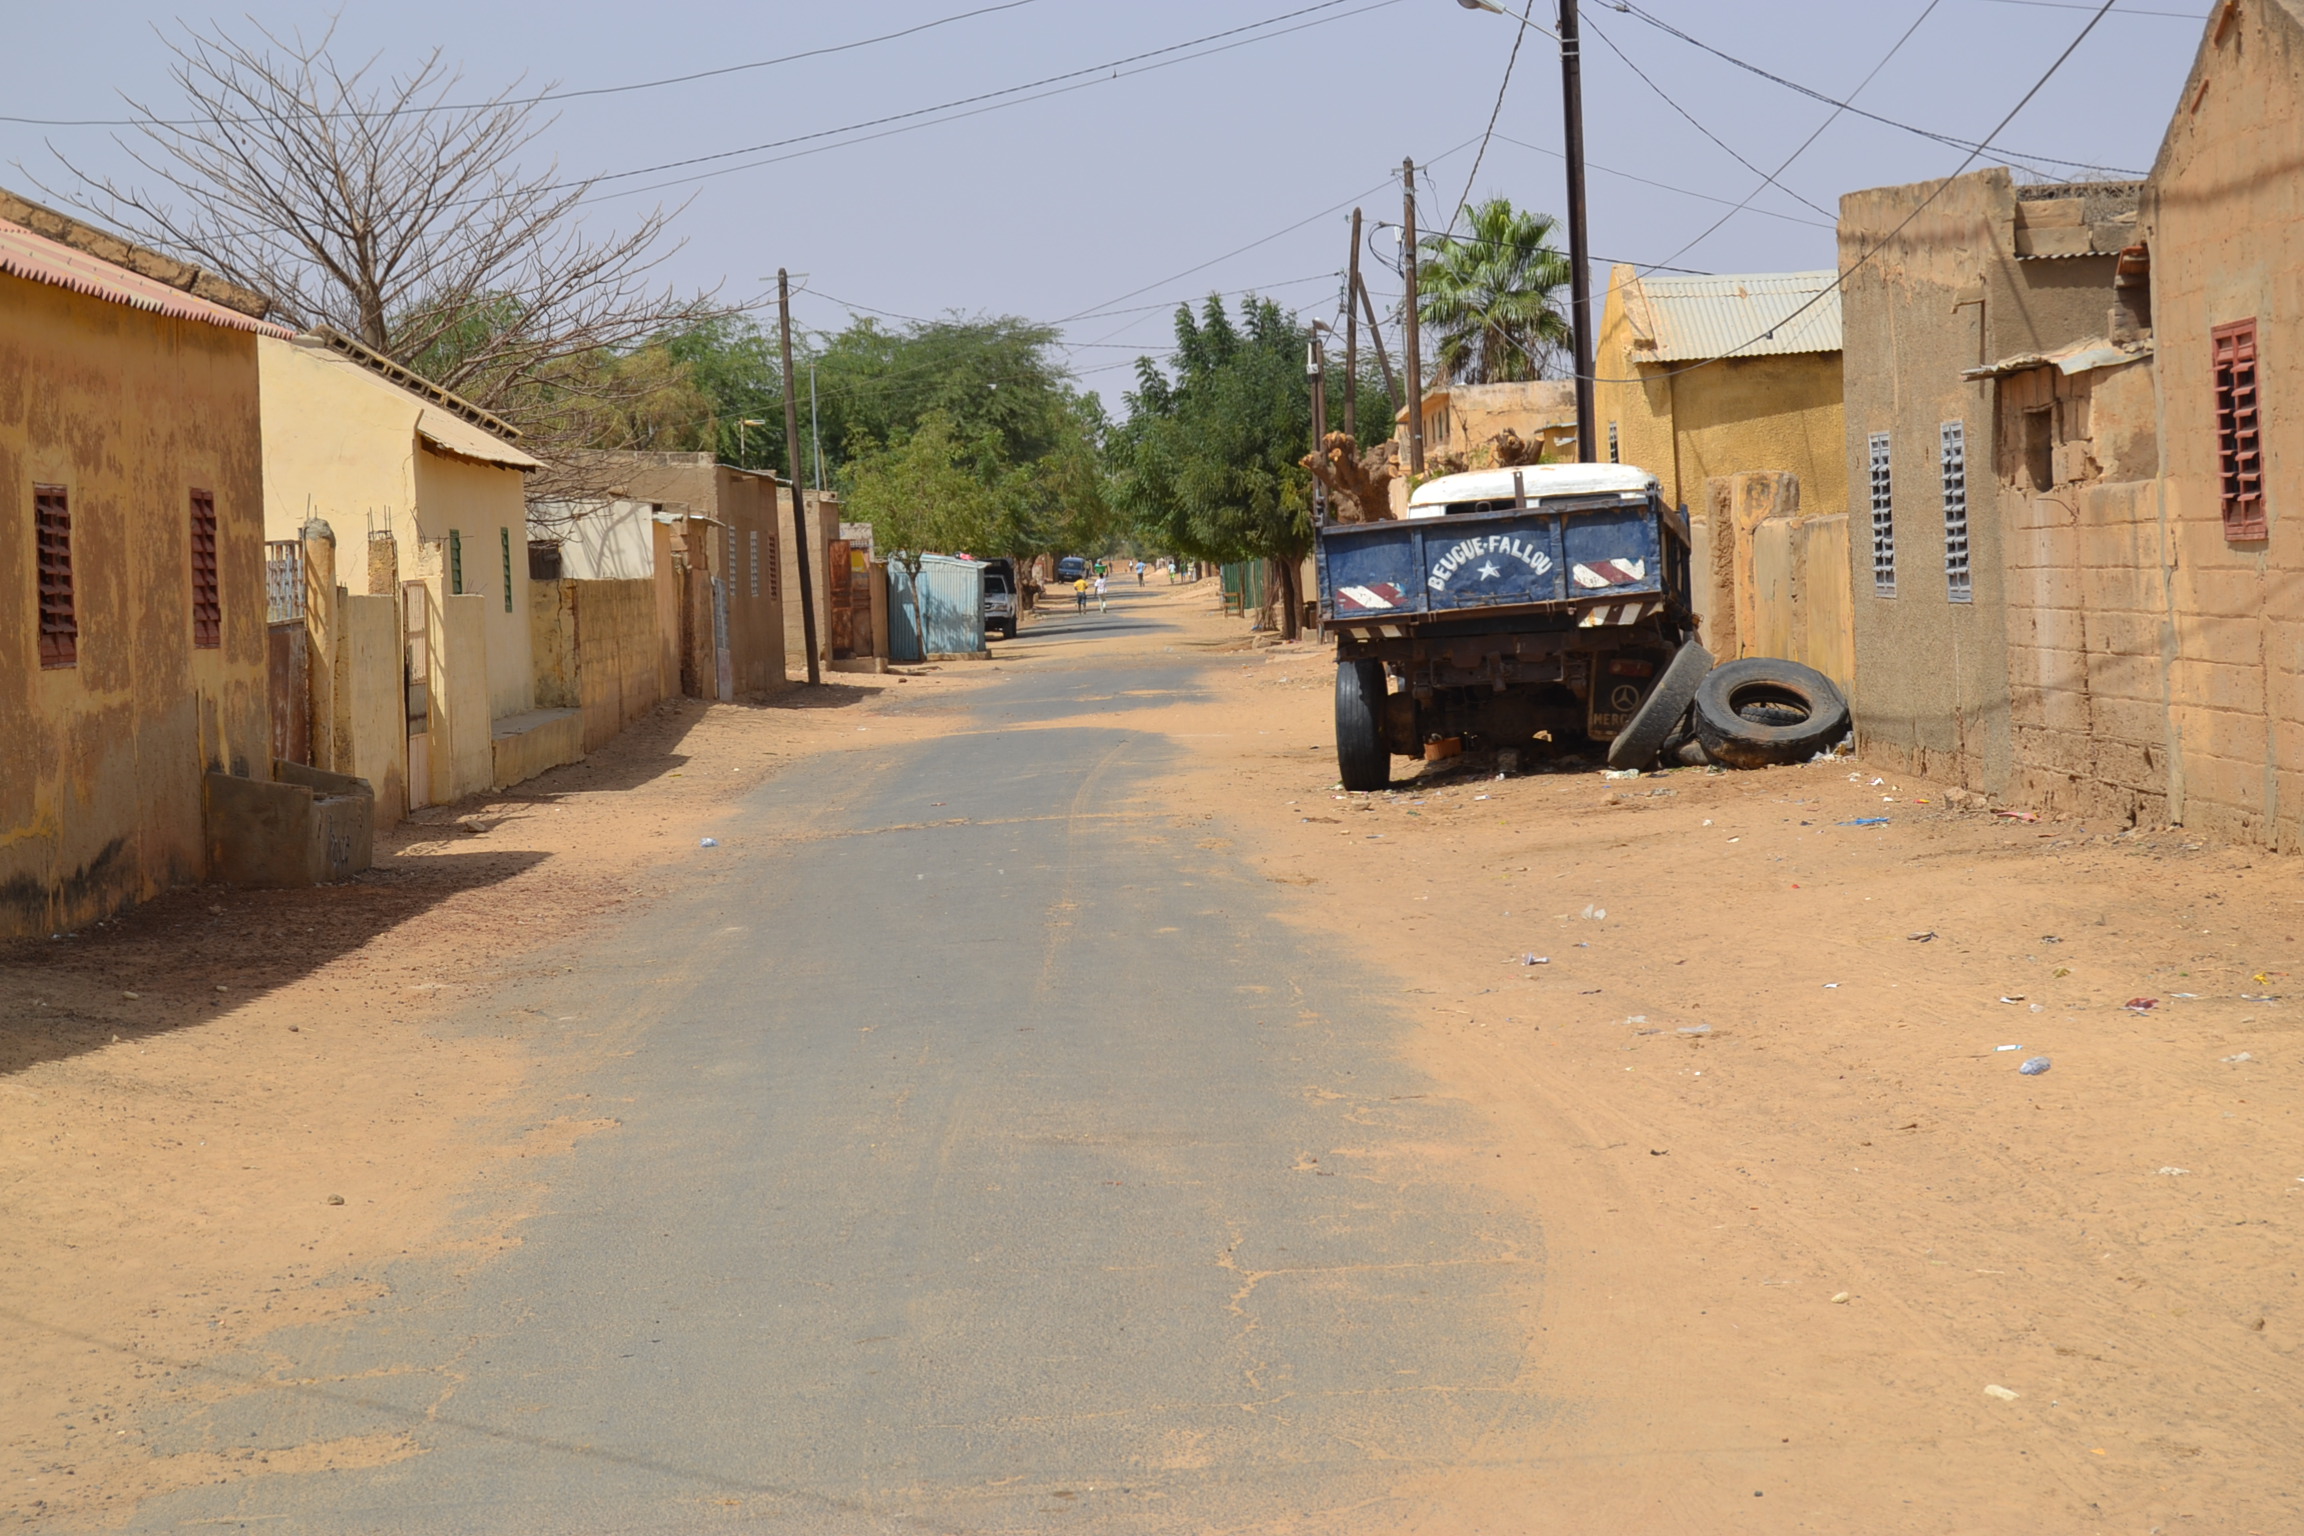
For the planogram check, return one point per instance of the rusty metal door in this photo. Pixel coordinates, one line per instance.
(288, 661)
(416, 682)
(840, 586)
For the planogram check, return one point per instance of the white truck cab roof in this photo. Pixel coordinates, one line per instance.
(1538, 481)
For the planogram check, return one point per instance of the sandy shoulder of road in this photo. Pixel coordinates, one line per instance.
(227, 1111)
(1749, 1048)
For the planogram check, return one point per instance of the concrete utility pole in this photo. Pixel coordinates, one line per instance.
(1352, 340)
(1411, 340)
(1579, 254)
(799, 498)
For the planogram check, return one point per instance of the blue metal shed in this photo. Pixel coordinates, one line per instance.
(951, 603)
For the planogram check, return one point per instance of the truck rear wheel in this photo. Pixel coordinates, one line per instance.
(1644, 734)
(1361, 759)
(1759, 711)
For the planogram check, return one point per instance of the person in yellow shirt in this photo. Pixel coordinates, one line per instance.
(1080, 594)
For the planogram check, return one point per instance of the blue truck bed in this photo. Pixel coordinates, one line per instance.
(1603, 550)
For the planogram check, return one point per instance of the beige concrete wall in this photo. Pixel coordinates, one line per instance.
(371, 728)
(823, 528)
(101, 763)
(2218, 217)
(483, 506)
(1931, 674)
(730, 531)
(618, 645)
(461, 758)
(1462, 419)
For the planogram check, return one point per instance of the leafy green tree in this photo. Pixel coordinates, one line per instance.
(1492, 298)
(1207, 462)
(936, 492)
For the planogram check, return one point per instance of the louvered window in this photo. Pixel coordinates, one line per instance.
(1956, 581)
(2239, 447)
(59, 621)
(755, 562)
(1883, 520)
(1615, 455)
(504, 537)
(207, 600)
(455, 562)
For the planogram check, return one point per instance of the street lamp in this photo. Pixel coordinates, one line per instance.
(1579, 252)
(741, 423)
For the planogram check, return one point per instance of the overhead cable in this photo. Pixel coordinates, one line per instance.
(1840, 278)
(2003, 156)
(544, 96)
(1107, 70)
(1926, 11)
(1519, 36)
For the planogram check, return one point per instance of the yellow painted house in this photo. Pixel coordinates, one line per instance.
(132, 618)
(1728, 390)
(423, 498)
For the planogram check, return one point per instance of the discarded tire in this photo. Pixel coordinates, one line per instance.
(1659, 715)
(1362, 761)
(1760, 711)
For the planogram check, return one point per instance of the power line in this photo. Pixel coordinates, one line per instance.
(1926, 12)
(1519, 36)
(1092, 310)
(1840, 278)
(546, 96)
(2126, 10)
(1665, 186)
(2004, 157)
(1108, 68)
(1666, 98)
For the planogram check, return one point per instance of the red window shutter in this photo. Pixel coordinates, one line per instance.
(59, 623)
(207, 603)
(2239, 438)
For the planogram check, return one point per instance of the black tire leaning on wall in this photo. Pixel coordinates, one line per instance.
(1362, 761)
(1643, 736)
(1794, 713)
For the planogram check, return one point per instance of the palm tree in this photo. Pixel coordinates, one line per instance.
(1493, 296)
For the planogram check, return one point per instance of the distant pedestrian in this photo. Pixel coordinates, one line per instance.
(1103, 603)
(1139, 573)
(1079, 594)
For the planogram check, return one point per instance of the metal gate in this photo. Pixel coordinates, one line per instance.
(287, 651)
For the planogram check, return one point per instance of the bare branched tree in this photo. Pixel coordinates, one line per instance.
(404, 219)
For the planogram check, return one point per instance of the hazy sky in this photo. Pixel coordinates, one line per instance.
(1136, 186)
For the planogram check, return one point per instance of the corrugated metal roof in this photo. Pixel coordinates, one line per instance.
(38, 259)
(1757, 314)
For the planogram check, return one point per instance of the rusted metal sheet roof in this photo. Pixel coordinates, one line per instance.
(1760, 314)
(38, 259)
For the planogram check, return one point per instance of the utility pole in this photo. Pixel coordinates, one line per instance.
(1579, 255)
(1352, 340)
(1411, 340)
(799, 498)
(1316, 365)
(1376, 334)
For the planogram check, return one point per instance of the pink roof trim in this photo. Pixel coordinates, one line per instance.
(36, 258)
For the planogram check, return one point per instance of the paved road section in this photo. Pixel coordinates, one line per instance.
(991, 1160)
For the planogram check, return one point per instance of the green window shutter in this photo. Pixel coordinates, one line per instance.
(455, 562)
(504, 537)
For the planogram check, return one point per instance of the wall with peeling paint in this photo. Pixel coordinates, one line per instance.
(101, 763)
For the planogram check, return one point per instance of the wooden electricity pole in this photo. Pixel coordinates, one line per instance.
(1410, 341)
(792, 465)
(1352, 340)
(1579, 256)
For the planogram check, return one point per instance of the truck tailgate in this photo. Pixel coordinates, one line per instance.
(1511, 559)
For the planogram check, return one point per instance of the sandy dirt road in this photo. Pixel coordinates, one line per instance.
(1816, 1256)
